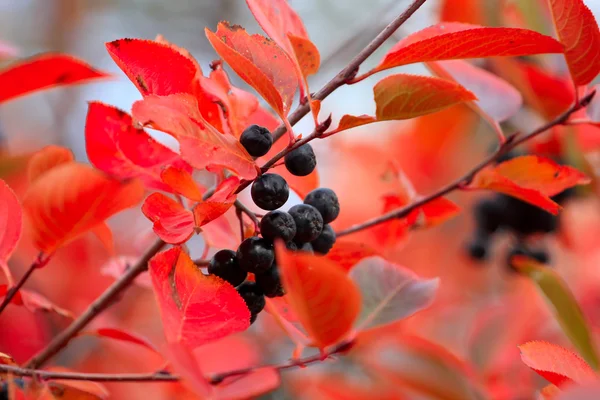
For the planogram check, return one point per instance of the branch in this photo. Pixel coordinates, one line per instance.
(100, 304)
(512, 142)
(12, 292)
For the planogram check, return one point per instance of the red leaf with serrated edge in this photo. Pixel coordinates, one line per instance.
(118, 148)
(325, 300)
(154, 67)
(346, 253)
(47, 158)
(183, 183)
(44, 72)
(408, 96)
(201, 144)
(352, 121)
(195, 308)
(553, 94)
(578, 31)
(556, 364)
(259, 62)
(217, 204)
(278, 19)
(453, 40)
(171, 222)
(121, 335)
(73, 198)
(11, 221)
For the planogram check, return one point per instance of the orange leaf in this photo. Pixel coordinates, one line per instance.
(171, 222)
(217, 204)
(407, 96)
(195, 308)
(11, 221)
(118, 148)
(182, 182)
(325, 300)
(72, 199)
(201, 144)
(259, 62)
(352, 121)
(104, 234)
(556, 364)
(453, 40)
(46, 159)
(44, 71)
(578, 31)
(346, 253)
(154, 67)
(306, 54)
(75, 389)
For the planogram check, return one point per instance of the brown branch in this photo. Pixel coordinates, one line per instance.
(512, 142)
(100, 304)
(241, 207)
(12, 292)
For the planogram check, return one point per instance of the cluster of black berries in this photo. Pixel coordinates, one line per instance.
(305, 227)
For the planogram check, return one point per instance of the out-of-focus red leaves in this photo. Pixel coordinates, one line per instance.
(466, 11)
(260, 62)
(7, 51)
(11, 221)
(532, 178)
(46, 159)
(117, 266)
(74, 389)
(35, 302)
(71, 199)
(43, 72)
(195, 308)
(154, 67)
(171, 221)
(118, 148)
(556, 364)
(325, 300)
(201, 144)
(346, 254)
(407, 96)
(578, 32)
(182, 182)
(217, 204)
(121, 335)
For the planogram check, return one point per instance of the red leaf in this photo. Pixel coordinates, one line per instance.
(121, 335)
(578, 31)
(407, 96)
(185, 364)
(117, 266)
(453, 40)
(182, 182)
(306, 53)
(201, 145)
(75, 389)
(195, 308)
(43, 72)
(325, 300)
(47, 158)
(222, 233)
(217, 204)
(116, 147)
(11, 221)
(172, 223)
(72, 199)
(556, 364)
(352, 121)
(35, 302)
(251, 385)
(259, 62)
(154, 67)
(346, 254)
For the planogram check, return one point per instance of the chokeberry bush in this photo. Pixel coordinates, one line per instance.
(415, 266)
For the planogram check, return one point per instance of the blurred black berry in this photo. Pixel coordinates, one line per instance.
(224, 264)
(325, 241)
(270, 282)
(255, 255)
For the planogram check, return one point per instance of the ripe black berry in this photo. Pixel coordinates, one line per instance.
(326, 201)
(257, 140)
(278, 224)
(270, 191)
(291, 246)
(253, 297)
(255, 255)
(224, 264)
(305, 247)
(488, 215)
(325, 241)
(270, 282)
(309, 222)
(301, 161)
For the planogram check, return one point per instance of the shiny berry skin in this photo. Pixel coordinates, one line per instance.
(325, 241)
(270, 282)
(270, 191)
(257, 140)
(253, 297)
(278, 224)
(301, 161)
(255, 255)
(325, 200)
(309, 222)
(224, 264)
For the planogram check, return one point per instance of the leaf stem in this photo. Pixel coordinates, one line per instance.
(12, 292)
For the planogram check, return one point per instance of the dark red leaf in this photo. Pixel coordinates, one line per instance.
(172, 223)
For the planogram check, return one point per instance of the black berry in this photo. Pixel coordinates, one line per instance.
(253, 296)
(291, 246)
(305, 247)
(301, 161)
(309, 222)
(488, 215)
(326, 201)
(253, 318)
(325, 241)
(255, 255)
(224, 264)
(270, 191)
(270, 282)
(278, 224)
(257, 140)
(478, 248)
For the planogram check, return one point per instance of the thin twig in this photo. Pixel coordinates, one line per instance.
(12, 292)
(202, 262)
(245, 210)
(512, 142)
